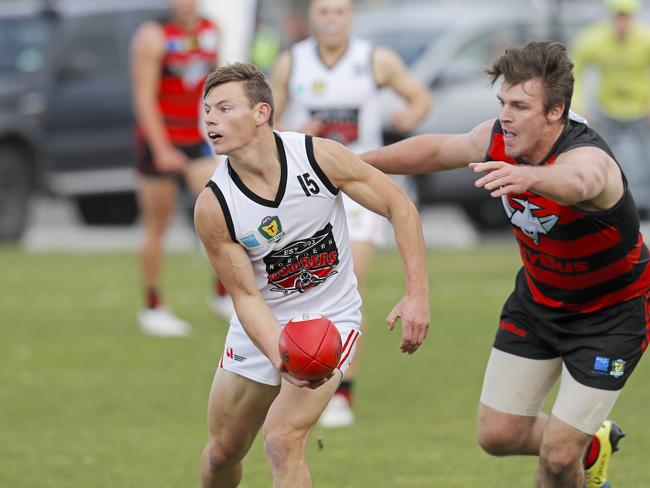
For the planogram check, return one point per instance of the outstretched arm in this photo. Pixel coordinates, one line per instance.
(585, 175)
(378, 193)
(432, 152)
(235, 270)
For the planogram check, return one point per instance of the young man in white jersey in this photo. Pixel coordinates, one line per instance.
(272, 214)
(327, 86)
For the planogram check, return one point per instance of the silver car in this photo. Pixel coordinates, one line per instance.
(446, 47)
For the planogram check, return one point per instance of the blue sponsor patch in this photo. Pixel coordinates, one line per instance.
(250, 241)
(601, 364)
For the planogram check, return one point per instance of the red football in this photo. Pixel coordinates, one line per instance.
(310, 347)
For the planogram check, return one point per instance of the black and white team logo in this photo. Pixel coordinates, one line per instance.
(529, 223)
(303, 264)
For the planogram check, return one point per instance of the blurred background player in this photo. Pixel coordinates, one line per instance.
(327, 86)
(170, 62)
(618, 51)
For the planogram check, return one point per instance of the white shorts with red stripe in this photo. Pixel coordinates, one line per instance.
(241, 356)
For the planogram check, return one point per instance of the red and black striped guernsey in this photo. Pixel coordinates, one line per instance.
(574, 259)
(188, 60)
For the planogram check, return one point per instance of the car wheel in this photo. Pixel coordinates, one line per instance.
(15, 173)
(108, 209)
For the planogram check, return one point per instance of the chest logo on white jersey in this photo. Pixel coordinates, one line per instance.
(271, 229)
(529, 223)
(303, 264)
(318, 87)
(338, 124)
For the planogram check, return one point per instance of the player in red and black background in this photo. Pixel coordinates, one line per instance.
(170, 62)
(579, 309)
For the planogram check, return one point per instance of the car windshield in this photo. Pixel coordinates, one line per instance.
(409, 44)
(22, 44)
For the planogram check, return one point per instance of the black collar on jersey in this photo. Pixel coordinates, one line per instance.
(281, 187)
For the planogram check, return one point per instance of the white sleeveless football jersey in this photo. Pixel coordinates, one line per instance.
(344, 96)
(297, 243)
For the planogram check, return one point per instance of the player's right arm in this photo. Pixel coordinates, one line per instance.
(432, 152)
(280, 75)
(378, 193)
(235, 270)
(147, 51)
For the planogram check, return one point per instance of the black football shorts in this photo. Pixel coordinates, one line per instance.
(144, 163)
(600, 349)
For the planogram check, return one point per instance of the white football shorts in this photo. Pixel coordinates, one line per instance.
(364, 225)
(241, 356)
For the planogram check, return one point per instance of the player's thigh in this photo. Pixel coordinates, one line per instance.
(157, 198)
(198, 172)
(296, 410)
(237, 408)
(517, 385)
(582, 407)
(597, 365)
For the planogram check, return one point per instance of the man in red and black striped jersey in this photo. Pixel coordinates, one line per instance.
(170, 62)
(579, 310)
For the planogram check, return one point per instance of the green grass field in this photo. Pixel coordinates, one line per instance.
(87, 401)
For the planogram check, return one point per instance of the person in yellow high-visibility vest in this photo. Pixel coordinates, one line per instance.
(618, 50)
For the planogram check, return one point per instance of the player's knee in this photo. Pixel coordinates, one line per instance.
(558, 460)
(222, 454)
(498, 441)
(279, 444)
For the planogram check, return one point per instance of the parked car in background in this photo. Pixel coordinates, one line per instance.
(65, 107)
(447, 46)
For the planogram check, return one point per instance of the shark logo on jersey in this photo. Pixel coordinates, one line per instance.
(303, 264)
(529, 223)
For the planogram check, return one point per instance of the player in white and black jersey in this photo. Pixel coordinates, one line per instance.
(328, 86)
(273, 225)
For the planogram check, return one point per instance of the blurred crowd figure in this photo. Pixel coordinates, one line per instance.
(327, 86)
(618, 49)
(170, 62)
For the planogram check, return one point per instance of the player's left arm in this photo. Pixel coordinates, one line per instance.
(371, 188)
(390, 70)
(585, 175)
